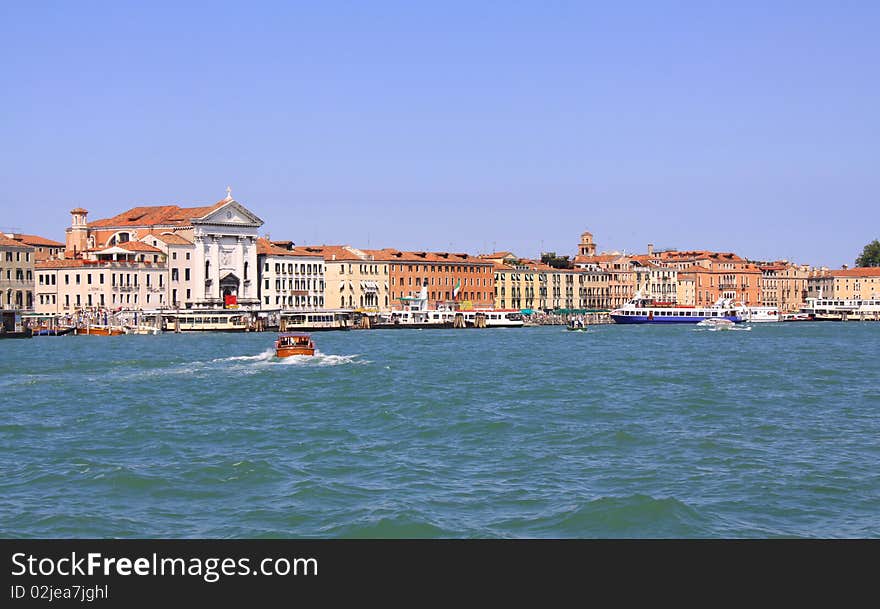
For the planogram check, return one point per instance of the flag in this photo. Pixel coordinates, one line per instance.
(456, 290)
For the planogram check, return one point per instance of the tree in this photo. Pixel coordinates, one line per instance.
(557, 262)
(870, 255)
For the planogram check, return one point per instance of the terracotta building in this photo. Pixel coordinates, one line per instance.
(452, 279)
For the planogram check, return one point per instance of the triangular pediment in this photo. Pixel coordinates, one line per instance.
(231, 212)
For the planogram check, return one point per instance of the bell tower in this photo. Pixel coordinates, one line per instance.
(586, 246)
(78, 233)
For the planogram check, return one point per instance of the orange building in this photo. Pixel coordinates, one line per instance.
(784, 285)
(449, 278)
(716, 275)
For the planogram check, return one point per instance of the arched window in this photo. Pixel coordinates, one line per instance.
(245, 270)
(207, 269)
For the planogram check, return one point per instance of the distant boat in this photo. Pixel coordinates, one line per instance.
(840, 309)
(576, 325)
(99, 330)
(11, 325)
(294, 343)
(42, 331)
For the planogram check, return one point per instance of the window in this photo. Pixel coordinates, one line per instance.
(174, 255)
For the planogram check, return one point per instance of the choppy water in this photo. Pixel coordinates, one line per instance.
(622, 431)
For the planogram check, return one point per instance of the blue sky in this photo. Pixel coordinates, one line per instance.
(747, 126)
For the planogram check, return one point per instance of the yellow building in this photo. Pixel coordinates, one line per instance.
(855, 284)
(530, 284)
(354, 279)
(686, 290)
(784, 285)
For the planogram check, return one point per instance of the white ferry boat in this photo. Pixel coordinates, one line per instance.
(641, 310)
(837, 309)
(317, 321)
(416, 314)
(206, 321)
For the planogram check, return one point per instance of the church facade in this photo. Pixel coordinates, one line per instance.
(172, 257)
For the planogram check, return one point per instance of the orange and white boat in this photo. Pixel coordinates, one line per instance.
(294, 343)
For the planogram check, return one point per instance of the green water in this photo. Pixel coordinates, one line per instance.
(622, 431)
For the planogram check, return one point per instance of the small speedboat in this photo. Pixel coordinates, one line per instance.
(717, 324)
(294, 343)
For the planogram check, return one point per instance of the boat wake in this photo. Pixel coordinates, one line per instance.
(320, 359)
(265, 355)
(268, 357)
(723, 329)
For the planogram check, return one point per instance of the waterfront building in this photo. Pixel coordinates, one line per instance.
(216, 248)
(129, 275)
(685, 289)
(784, 285)
(654, 280)
(180, 279)
(716, 275)
(531, 284)
(354, 279)
(859, 283)
(16, 274)
(621, 276)
(452, 279)
(289, 278)
(44, 249)
(619, 284)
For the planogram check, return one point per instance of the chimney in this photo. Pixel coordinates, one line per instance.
(650, 249)
(844, 267)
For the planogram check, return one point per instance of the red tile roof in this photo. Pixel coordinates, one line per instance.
(394, 255)
(156, 215)
(596, 259)
(268, 248)
(66, 263)
(7, 242)
(171, 238)
(36, 240)
(859, 271)
(138, 246)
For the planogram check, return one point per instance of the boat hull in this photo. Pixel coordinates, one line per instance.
(52, 331)
(23, 334)
(93, 331)
(289, 351)
(660, 319)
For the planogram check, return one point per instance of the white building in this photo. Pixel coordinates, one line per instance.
(290, 278)
(176, 257)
